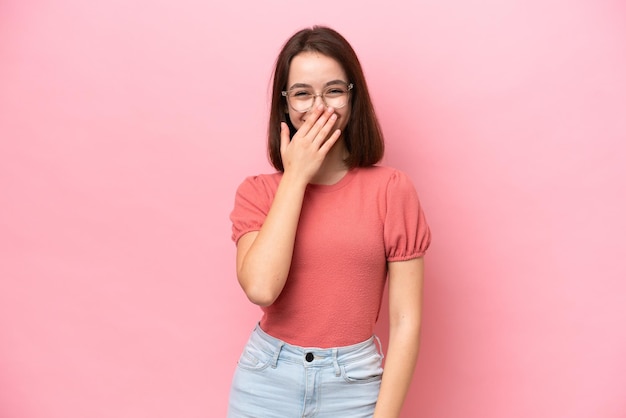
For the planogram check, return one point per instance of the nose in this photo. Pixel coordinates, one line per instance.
(315, 102)
(321, 99)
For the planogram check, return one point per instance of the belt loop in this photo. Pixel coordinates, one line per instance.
(336, 363)
(276, 354)
(380, 347)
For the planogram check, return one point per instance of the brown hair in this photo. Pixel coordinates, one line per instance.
(362, 135)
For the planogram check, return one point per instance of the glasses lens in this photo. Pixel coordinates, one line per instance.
(302, 100)
(336, 97)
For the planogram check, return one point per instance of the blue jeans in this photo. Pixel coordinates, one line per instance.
(276, 380)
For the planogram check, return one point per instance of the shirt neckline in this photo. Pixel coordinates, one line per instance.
(326, 188)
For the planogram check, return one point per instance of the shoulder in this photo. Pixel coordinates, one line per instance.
(381, 171)
(260, 184)
(388, 177)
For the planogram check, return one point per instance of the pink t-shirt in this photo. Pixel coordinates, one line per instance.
(347, 233)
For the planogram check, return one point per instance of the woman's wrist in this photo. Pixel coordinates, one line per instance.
(295, 180)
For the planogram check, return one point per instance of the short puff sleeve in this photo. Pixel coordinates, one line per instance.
(406, 232)
(252, 203)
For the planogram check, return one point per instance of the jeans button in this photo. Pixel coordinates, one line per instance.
(309, 357)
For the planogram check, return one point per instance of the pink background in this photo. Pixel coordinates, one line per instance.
(125, 127)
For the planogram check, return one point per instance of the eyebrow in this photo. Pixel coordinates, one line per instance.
(303, 85)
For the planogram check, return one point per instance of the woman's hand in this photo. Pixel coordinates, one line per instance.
(304, 154)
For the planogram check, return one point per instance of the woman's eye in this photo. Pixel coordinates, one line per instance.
(335, 92)
(301, 94)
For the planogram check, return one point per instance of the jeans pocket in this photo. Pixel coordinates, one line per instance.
(363, 370)
(253, 358)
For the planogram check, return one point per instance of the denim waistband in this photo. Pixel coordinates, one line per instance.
(313, 356)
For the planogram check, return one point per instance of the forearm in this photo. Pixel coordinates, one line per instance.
(264, 257)
(263, 269)
(399, 365)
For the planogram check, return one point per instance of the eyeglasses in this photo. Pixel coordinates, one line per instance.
(302, 99)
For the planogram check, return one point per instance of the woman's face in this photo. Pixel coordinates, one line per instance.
(316, 72)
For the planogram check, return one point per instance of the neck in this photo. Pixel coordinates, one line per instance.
(333, 168)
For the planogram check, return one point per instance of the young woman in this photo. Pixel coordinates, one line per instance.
(316, 242)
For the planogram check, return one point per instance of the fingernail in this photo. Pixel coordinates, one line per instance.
(331, 109)
(320, 107)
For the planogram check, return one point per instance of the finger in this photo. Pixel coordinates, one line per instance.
(322, 122)
(312, 118)
(326, 146)
(284, 136)
(326, 129)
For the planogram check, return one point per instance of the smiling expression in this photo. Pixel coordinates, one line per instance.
(317, 71)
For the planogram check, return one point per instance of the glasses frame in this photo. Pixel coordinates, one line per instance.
(285, 94)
